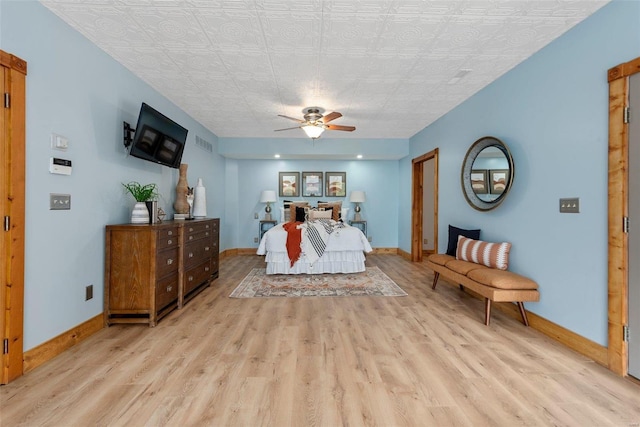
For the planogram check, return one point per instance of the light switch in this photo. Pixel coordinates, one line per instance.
(59, 142)
(570, 205)
(59, 202)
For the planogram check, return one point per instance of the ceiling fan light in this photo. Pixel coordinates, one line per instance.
(313, 131)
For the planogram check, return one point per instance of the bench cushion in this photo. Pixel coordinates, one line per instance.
(463, 267)
(501, 279)
(440, 259)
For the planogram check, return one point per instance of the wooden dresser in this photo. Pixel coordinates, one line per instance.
(152, 269)
(200, 256)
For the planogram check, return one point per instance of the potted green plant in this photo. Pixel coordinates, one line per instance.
(142, 194)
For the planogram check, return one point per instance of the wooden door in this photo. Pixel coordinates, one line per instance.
(634, 228)
(12, 201)
(618, 211)
(417, 202)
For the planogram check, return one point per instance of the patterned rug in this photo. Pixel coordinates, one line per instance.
(371, 282)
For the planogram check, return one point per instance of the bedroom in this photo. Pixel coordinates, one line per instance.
(547, 110)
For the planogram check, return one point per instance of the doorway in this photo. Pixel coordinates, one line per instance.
(12, 202)
(424, 185)
(633, 305)
(618, 355)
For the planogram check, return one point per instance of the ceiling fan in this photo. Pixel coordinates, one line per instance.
(315, 122)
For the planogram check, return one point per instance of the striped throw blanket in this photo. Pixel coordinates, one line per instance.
(314, 241)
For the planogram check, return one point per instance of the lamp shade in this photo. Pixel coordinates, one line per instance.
(267, 196)
(313, 131)
(357, 196)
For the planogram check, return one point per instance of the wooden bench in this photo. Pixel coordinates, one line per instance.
(492, 284)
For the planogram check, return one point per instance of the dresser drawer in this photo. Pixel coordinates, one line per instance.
(197, 227)
(196, 276)
(196, 252)
(166, 291)
(167, 238)
(167, 262)
(202, 234)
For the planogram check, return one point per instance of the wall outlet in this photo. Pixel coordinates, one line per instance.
(255, 215)
(88, 293)
(256, 240)
(425, 241)
(370, 238)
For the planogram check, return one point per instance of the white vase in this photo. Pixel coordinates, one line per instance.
(200, 200)
(140, 213)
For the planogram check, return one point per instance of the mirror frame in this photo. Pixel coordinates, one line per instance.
(467, 165)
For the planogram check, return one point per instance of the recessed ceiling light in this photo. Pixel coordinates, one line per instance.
(359, 156)
(277, 156)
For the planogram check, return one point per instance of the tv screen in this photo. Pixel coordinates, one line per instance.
(158, 138)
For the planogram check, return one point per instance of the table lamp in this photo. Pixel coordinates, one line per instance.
(268, 197)
(357, 197)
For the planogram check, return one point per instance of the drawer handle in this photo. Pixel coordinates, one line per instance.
(170, 233)
(169, 288)
(190, 228)
(169, 242)
(207, 226)
(206, 248)
(206, 234)
(190, 254)
(169, 261)
(206, 269)
(190, 237)
(191, 278)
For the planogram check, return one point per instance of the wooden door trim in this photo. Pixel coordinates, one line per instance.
(618, 298)
(13, 206)
(417, 199)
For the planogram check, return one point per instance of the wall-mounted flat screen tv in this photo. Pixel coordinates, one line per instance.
(158, 138)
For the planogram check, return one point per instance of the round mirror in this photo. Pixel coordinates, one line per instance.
(487, 173)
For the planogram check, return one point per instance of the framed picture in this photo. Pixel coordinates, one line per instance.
(479, 182)
(336, 184)
(311, 184)
(498, 180)
(289, 184)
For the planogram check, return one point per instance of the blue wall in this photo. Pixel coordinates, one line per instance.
(76, 90)
(378, 178)
(552, 112)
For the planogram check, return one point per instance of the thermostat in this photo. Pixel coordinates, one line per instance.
(60, 166)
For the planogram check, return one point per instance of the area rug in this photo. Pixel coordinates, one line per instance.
(371, 282)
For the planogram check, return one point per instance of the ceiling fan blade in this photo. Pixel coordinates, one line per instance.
(339, 127)
(291, 118)
(331, 116)
(278, 130)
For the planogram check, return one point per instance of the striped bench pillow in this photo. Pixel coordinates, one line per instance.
(494, 255)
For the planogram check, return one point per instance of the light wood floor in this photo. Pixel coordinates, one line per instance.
(426, 359)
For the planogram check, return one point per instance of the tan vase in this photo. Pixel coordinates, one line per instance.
(180, 206)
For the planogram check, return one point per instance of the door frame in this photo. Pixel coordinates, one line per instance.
(417, 200)
(618, 209)
(12, 204)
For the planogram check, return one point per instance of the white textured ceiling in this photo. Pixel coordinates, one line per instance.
(386, 65)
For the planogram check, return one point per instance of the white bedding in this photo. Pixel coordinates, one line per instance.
(344, 253)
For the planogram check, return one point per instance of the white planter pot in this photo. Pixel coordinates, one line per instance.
(140, 213)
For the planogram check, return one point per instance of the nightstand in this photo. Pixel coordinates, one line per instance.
(362, 225)
(265, 225)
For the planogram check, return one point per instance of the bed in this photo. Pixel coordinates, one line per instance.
(344, 251)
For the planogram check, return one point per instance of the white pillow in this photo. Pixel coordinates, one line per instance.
(343, 214)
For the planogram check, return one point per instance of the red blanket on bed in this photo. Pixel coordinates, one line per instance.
(294, 239)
